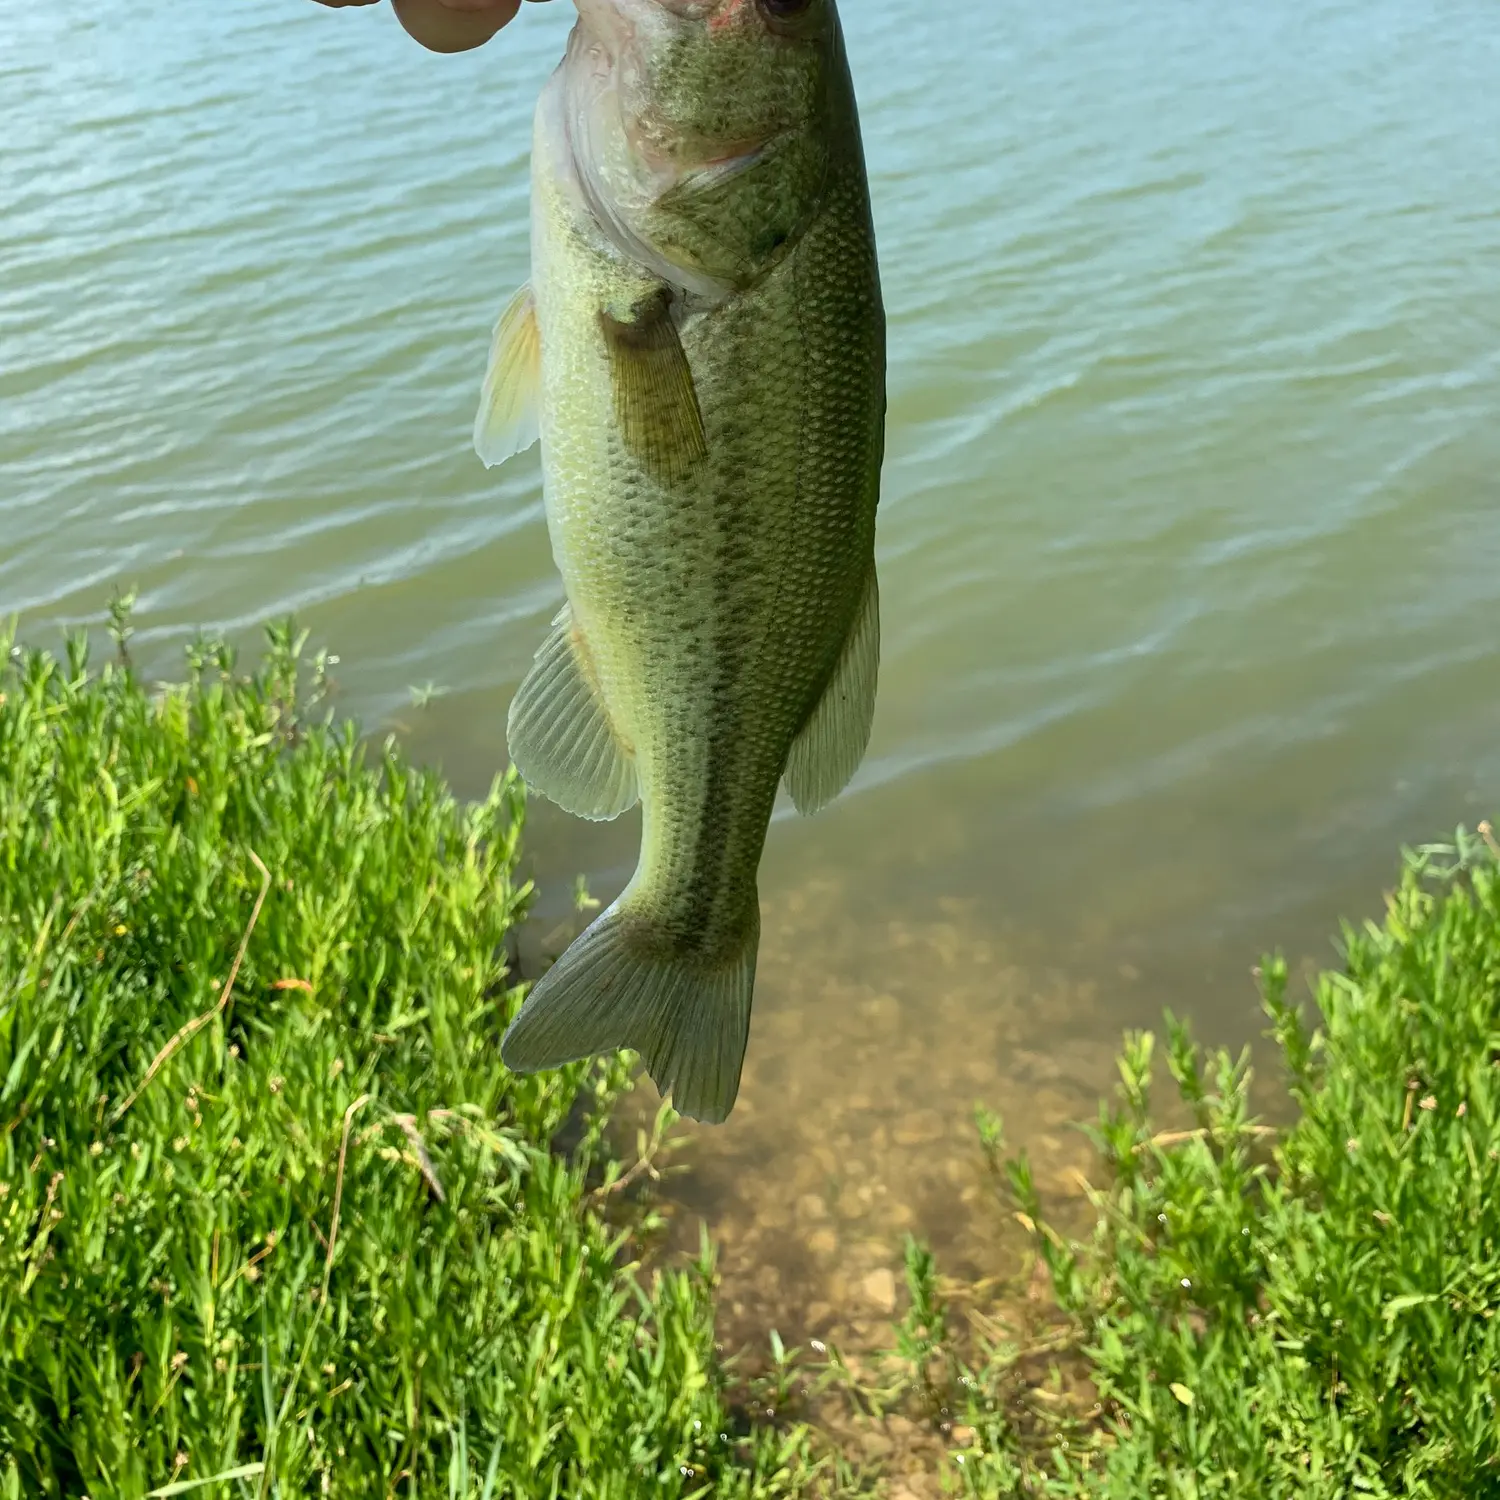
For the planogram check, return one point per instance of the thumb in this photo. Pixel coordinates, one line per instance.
(454, 25)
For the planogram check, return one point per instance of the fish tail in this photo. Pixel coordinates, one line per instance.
(626, 983)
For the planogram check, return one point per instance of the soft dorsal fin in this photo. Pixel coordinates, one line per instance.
(509, 419)
(656, 403)
(827, 753)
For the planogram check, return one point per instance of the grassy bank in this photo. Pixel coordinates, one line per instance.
(269, 1205)
(1308, 1312)
(271, 1210)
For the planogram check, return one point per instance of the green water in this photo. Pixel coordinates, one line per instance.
(1190, 538)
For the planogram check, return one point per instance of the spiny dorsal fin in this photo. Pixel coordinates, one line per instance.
(827, 753)
(560, 735)
(656, 404)
(508, 421)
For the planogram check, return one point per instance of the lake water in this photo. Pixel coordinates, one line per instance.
(1190, 538)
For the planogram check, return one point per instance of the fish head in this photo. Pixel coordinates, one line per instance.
(700, 130)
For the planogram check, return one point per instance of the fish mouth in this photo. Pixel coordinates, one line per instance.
(591, 113)
(628, 161)
(609, 42)
(688, 10)
(615, 24)
(604, 24)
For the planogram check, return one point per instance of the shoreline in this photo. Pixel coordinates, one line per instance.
(992, 1356)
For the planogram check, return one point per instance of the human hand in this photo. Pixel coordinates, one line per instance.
(447, 25)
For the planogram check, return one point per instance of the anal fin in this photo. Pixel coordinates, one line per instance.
(827, 752)
(560, 735)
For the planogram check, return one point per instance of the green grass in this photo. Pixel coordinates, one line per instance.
(274, 1220)
(1304, 1313)
(270, 1207)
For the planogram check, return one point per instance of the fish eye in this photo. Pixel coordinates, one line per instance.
(784, 9)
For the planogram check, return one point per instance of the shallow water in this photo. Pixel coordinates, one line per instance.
(1190, 537)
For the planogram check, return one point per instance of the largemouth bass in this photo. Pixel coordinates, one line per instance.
(701, 350)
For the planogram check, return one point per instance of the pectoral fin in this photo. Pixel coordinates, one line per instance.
(827, 753)
(656, 404)
(508, 421)
(560, 734)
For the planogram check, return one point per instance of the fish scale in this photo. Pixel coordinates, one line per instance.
(708, 350)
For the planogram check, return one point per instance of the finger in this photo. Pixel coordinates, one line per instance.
(442, 27)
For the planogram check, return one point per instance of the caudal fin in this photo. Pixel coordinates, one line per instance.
(621, 985)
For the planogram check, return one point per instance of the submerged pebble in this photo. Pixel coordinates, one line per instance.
(879, 1288)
